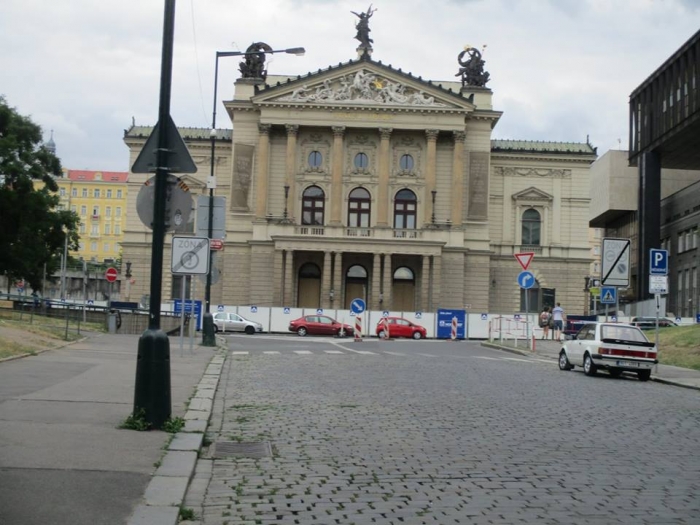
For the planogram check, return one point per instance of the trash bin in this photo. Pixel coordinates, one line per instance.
(112, 322)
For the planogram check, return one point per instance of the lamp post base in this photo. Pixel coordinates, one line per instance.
(208, 333)
(152, 389)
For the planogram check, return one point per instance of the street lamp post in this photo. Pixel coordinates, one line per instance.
(432, 217)
(208, 337)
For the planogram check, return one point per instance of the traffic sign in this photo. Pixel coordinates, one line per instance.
(616, 263)
(111, 274)
(190, 256)
(319, 311)
(178, 203)
(484, 317)
(526, 280)
(678, 320)
(524, 259)
(220, 308)
(419, 315)
(216, 244)
(385, 313)
(658, 284)
(287, 310)
(253, 309)
(358, 305)
(90, 301)
(608, 295)
(178, 158)
(658, 262)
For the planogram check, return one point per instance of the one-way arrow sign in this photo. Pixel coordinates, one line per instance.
(179, 159)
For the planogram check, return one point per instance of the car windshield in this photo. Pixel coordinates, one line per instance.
(623, 333)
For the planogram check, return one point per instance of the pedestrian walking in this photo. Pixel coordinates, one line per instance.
(559, 317)
(545, 318)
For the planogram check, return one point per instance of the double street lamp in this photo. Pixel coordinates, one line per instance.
(251, 68)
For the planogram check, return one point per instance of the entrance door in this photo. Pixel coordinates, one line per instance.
(355, 284)
(309, 291)
(404, 290)
(353, 291)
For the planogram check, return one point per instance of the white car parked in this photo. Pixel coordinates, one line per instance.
(231, 322)
(615, 347)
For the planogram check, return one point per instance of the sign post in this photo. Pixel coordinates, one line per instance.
(357, 306)
(526, 280)
(111, 276)
(658, 281)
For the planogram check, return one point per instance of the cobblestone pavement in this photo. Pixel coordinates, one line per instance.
(441, 433)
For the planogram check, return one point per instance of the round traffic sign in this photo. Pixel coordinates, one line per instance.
(111, 274)
(358, 306)
(526, 279)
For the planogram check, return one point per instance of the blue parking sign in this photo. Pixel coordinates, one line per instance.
(658, 262)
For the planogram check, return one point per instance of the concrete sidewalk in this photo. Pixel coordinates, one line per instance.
(63, 458)
(672, 375)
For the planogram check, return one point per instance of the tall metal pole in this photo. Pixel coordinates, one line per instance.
(152, 390)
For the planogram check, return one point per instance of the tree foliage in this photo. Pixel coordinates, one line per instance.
(32, 228)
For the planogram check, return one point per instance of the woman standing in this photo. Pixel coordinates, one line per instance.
(545, 316)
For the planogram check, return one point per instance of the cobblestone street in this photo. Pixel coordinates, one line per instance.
(416, 433)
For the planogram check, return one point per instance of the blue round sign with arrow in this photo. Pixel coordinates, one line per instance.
(358, 306)
(526, 279)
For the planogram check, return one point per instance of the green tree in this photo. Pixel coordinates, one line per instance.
(32, 228)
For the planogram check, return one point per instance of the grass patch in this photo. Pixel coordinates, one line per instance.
(136, 421)
(11, 349)
(187, 514)
(173, 425)
(678, 345)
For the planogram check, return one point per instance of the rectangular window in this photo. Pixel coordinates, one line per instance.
(96, 193)
(73, 208)
(85, 194)
(74, 192)
(95, 211)
(82, 227)
(109, 194)
(680, 243)
(596, 250)
(119, 194)
(108, 229)
(94, 230)
(93, 246)
(117, 229)
(105, 247)
(81, 246)
(108, 211)
(118, 211)
(83, 211)
(62, 192)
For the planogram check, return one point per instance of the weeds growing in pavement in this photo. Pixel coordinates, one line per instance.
(136, 421)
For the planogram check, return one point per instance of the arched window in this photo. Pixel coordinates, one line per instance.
(359, 206)
(405, 204)
(312, 205)
(404, 274)
(531, 227)
(309, 271)
(356, 272)
(315, 159)
(361, 161)
(406, 163)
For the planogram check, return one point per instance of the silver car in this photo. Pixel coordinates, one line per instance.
(231, 322)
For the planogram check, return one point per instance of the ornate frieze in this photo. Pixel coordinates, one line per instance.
(362, 87)
(534, 172)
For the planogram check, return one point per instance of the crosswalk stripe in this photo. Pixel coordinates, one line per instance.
(303, 352)
(239, 353)
(333, 351)
(271, 352)
(395, 353)
(427, 355)
(365, 352)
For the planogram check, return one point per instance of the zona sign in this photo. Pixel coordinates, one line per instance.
(111, 274)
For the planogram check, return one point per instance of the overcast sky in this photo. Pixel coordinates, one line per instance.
(560, 69)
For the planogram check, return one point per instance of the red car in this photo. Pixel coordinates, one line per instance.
(319, 325)
(400, 327)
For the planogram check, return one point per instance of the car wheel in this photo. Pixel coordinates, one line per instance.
(301, 331)
(615, 372)
(249, 330)
(216, 329)
(589, 367)
(381, 334)
(644, 375)
(417, 335)
(564, 362)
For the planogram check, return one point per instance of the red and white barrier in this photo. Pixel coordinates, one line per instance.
(358, 328)
(453, 335)
(385, 328)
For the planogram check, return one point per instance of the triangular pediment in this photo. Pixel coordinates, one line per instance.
(364, 83)
(532, 194)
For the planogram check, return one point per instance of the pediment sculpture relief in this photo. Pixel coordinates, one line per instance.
(362, 87)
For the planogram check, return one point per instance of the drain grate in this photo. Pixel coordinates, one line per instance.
(236, 449)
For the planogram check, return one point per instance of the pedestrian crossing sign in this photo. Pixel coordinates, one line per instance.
(608, 295)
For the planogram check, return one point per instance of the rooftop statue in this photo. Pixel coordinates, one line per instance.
(362, 27)
(254, 64)
(472, 70)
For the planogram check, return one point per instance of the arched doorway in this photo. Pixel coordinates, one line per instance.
(404, 290)
(355, 284)
(309, 286)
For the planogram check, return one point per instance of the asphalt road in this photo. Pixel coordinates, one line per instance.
(441, 432)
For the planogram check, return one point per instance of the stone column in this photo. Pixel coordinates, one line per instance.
(425, 283)
(288, 278)
(458, 178)
(291, 167)
(278, 277)
(337, 279)
(326, 281)
(383, 190)
(337, 176)
(376, 282)
(388, 281)
(436, 282)
(430, 173)
(262, 171)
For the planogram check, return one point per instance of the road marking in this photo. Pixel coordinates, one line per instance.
(271, 352)
(333, 351)
(549, 362)
(395, 353)
(239, 353)
(365, 352)
(484, 357)
(427, 355)
(303, 352)
(516, 359)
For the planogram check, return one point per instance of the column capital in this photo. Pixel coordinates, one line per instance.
(432, 134)
(338, 131)
(264, 129)
(385, 133)
(292, 129)
(459, 136)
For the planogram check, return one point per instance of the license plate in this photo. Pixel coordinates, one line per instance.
(628, 364)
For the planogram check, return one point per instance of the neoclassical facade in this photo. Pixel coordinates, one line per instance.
(361, 180)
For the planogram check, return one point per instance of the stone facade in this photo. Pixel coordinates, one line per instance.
(362, 180)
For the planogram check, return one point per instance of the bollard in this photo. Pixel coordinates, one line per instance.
(453, 335)
(358, 328)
